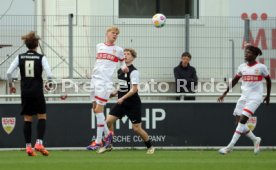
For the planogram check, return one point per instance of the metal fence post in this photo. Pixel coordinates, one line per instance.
(187, 32)
(246, 30)
(233, 56)
(70, 44)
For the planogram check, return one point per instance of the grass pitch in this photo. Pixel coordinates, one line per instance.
(139, 160)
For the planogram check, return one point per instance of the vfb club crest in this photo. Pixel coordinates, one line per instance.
(8, 124)
(252, 122)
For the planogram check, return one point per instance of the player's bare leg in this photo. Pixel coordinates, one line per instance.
(41, 126)
(28, 135)
(137, 128)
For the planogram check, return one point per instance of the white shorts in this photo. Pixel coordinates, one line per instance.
(246, 107)
(100, 91)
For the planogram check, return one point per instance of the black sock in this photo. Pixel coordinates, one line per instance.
(28, 131)
(148, 143)
(41, 126)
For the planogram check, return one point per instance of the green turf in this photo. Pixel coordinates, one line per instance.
(137, 159)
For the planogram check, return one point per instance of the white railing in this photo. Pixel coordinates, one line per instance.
(141, 95)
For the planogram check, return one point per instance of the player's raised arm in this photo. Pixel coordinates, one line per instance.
(124, 67)
(11, 69)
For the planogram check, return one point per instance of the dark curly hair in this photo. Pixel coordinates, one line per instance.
(255, 50)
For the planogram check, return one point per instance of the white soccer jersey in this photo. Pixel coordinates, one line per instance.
(106, 61)
(252, 76)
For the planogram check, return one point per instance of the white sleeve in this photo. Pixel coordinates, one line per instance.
(239, 72)
(134, 77)
(121, 57)
(12, 67)
(46, 67)
(264, 71)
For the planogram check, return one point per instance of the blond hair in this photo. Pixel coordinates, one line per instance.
(31, 40)
(113, 28)
(132, 52)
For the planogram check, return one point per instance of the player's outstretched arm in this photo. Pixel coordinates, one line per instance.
(232, 84)
(268, 90)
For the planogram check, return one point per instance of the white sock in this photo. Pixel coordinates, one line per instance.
(39, 141)
(100, 126)
(239, 130)
(28, 145)
(251, 136)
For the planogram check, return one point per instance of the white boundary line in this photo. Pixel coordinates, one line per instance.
(144, 148)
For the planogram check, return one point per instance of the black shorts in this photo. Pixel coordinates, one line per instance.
(132, 112)
(33, 105)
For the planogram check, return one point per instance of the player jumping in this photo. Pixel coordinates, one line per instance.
(129, 102)
(252, 74)
(31, 65)
(108, 55)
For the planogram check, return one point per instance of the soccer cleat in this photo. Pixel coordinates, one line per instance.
(105, 149)
(40, 148)
(257, 145)
(30, 151)
(225, 150)
(94, 146)
(151, 150)
(108, 140)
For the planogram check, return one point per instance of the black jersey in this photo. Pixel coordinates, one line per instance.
(125, 86)
(30, 64)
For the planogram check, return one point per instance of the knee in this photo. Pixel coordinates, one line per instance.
(136, 128)
(28, 118)
(98, 110)
(243, 119)
(42, 116)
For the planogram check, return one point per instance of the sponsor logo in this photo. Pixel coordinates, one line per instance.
(8, 124)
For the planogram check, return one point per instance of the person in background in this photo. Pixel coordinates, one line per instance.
(185, 77)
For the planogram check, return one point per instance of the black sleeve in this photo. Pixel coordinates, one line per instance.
(195, 79)
(176, 74)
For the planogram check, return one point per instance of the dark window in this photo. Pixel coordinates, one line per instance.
(147, 8)
(136, 8)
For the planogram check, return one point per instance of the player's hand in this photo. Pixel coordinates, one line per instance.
(221, 98)
(267, 100)
(125, 69)
(12, 90)
(120, 101)
(112, 95)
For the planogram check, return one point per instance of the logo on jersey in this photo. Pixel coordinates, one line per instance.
(252, 122)
(8, 124)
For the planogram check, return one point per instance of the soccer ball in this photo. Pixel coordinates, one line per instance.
(159, 20)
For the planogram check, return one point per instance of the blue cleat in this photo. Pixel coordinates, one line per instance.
(108, 140)
(94, 146)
